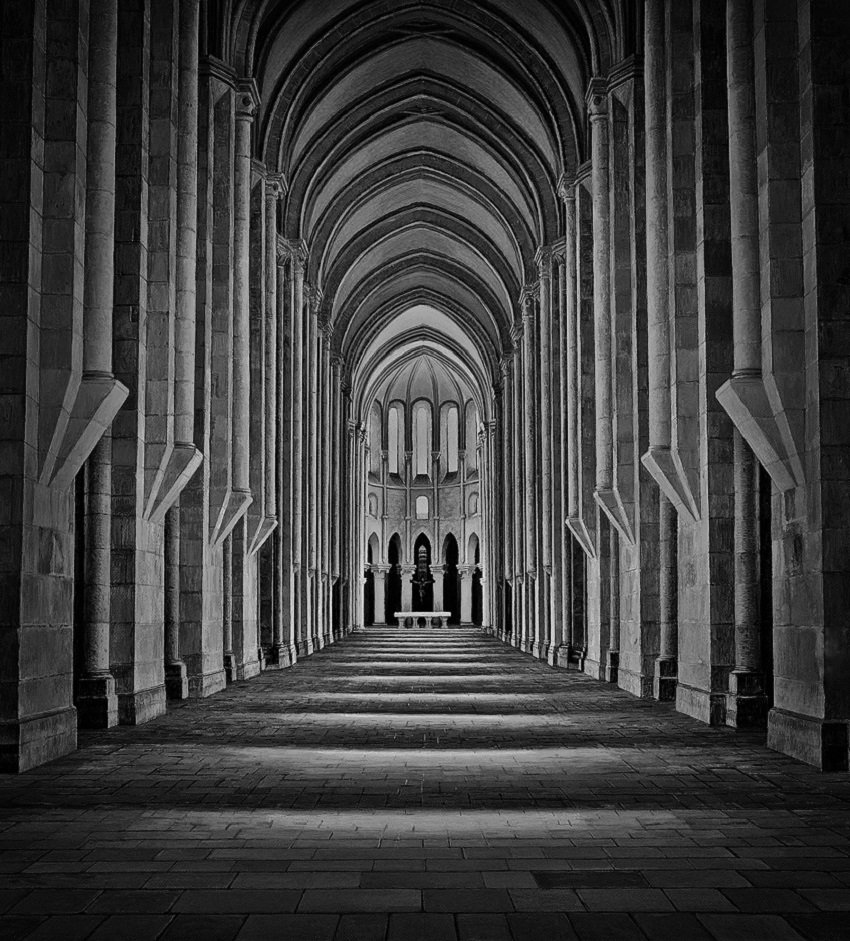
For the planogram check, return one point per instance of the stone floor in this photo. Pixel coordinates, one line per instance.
(424, 785)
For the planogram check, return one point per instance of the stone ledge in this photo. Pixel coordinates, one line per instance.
(824, 743)
(182, 463)
(665, 468)
(701, 704)
(612, 506)
(141, 706)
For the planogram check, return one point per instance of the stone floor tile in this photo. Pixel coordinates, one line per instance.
(466, 900)
(236, 901)
(16, 927)
(828, 900)
(297, 880)
(678, 927)
(551, 900)
(525, 926)
(699, 900)
(141, 927)
(289, 928)
(625, 900)
(749, 928)
(55, 902)
(361, 927)
(776, 900)
(361, 900)
(142, 901)
(591, 926)
(422, 927)
(422, 880)
(481, 927)
(694, 879)
(509, 880)
(833, 926)
(207, 927)
(66, 928)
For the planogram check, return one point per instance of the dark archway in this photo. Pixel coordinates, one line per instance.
(369, 589)
(451, 579)
(424, 600)
(393, 579)
(477, 588)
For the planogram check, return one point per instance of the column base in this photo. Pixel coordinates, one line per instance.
(612, 666)
(141, 706)
(248, 670)
(205, 684)
(559, 656)
(665, 680)
(176, 680)
(746, 703)
(97, 704)
(701, 704)
(824, 743)
(303, 648)
(279, 657)
(27, 743)
(594, 668)
(538, 650)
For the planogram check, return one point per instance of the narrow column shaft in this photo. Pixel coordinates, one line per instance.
(297, 401)
(507, 464)
(545, 274)
(313, 475)
(747, 634)
(667, 583)
(272, 365)
(601, 290)
(172, 585)
(283, 536)
(241, 293)
(518, 449)
(379, 573)
(571, 353)
(187, 221)
(227, 609)
(100, 188)
(611, 672)
(438, 572)
(658, 318)
(466, 595)
(743, 189)
(98, 559)
(529, 434)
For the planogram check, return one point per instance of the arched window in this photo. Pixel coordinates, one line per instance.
(373, 505)
(421, 508)
(375, 442)
(471, 435)
(395, 435)
(422, 438)
(473, 505)
(452, 438)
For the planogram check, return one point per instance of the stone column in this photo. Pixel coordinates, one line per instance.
(187, 222)
(746, 704)
(507, 463)
(273, 365)
(612, 663)
(327, 479)
(227, 613)
(465, 572)
(667, 664)
(544, 268)
(573, 450)
(245, 107)
(312, 483)
(407, 587)
(531, 623)
(658, 312)
(379, 573)
(176, 679)
(97, 703)
(298, 258)
(598, 110)
(438, 571)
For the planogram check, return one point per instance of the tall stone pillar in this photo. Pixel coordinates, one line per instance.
(97, 703)
(176, 678)
(544, 272)
(746, 704)
(379, 573)
(438, 571)
(666, 666)
(531, 484)
(465, 572)
(298, 259)
(407, 587)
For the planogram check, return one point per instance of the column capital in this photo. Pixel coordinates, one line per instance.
(527, 297)
(543, 260)
(381, 569)
(596, 98)
(298, 253)
(517, 331)
(567, 187)
(247, 99)
(276, 186)
(313, 295)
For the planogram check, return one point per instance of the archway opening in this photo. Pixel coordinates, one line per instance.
(393, 579)
(451, 579)
(423, 580)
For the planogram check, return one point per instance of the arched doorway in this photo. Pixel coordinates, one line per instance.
(451, 579)
(369, 588)
(394, 579)
(423, 581)
(473, 558)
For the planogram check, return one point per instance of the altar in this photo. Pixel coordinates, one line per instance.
(423, 618)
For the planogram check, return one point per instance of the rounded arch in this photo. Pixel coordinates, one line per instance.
(373, 549)
(473, 550)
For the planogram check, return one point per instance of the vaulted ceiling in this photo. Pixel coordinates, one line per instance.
(422, 142)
